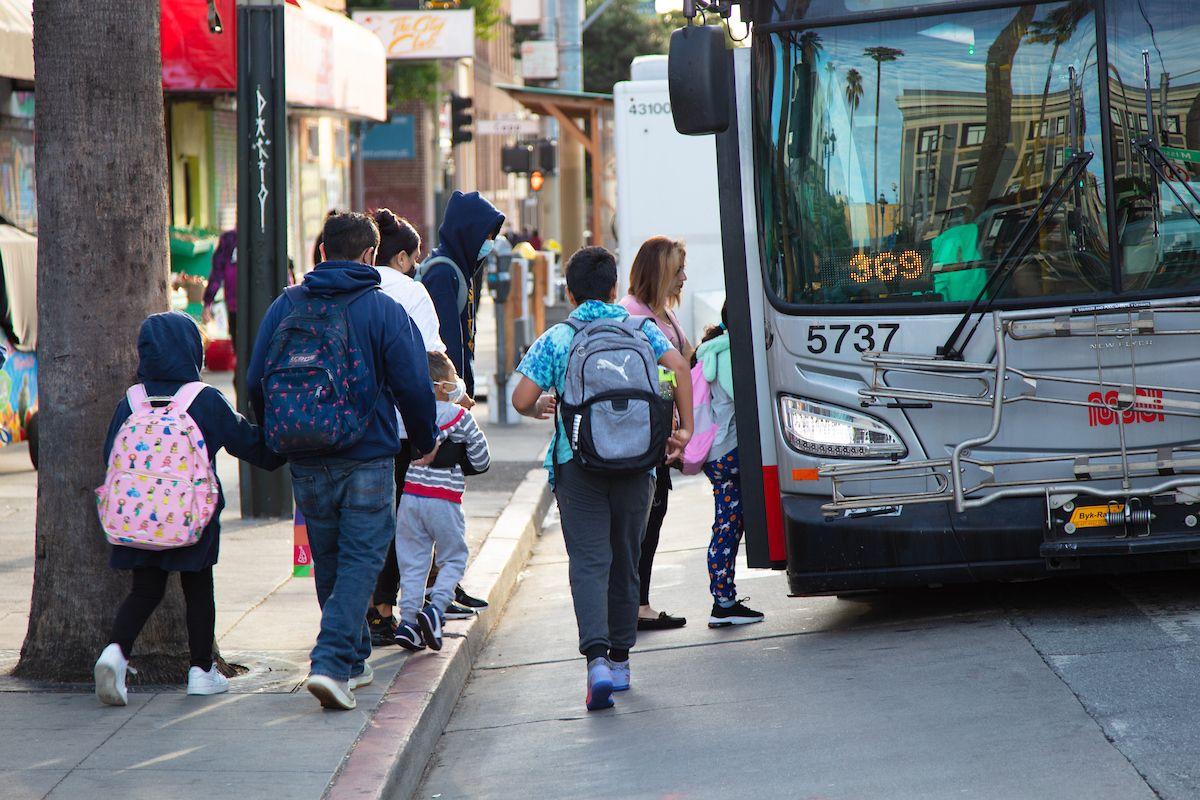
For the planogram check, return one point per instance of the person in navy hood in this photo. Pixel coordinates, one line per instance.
(348, 496)
(170, 356)
(465, 237)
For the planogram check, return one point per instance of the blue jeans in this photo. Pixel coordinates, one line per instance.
(350, 509)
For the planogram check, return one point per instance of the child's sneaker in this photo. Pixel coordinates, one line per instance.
(408, 637)
(736, 614)
(467, 601)
(210, 682)
(383, 629)
(455, 611)
(430, 620)
(599, 685)
(109, 673)
(620, 674)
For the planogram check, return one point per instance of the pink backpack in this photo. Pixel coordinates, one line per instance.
(160, 490)
(695, 455)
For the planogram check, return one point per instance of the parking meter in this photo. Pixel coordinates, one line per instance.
(499, 273)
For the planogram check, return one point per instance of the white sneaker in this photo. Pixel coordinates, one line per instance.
(211, 682)
(365, 679)
(331, 693)
(110, 671)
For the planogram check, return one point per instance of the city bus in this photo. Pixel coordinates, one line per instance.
(961, 244)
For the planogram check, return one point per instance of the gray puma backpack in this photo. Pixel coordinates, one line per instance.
(611, 410)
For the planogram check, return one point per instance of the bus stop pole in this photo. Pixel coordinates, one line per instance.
(261, 214)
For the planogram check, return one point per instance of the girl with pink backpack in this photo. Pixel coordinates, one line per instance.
(722, 467)
(160, 505)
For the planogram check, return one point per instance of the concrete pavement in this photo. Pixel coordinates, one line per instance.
(920, 696)
(267, 738)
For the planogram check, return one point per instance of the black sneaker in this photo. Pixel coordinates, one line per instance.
(736, 614)
(455, 611)
(464, 599)
(408, 637)
(383, 629)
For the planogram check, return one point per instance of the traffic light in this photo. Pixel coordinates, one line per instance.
(536, 180)
(517, 158)
(460, 119)
(545, 153)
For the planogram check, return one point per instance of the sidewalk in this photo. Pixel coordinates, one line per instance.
(267, 738)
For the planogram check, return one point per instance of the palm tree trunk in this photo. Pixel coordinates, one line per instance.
(102, 267)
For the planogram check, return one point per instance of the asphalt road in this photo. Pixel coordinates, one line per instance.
(1060, 689)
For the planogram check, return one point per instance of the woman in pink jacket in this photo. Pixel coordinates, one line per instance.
(655, 282)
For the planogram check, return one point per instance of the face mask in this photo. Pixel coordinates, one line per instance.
(486, 249)
(457, 393)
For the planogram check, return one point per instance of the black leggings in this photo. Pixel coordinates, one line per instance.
(387, 585)
(149, 586)
(658, 511)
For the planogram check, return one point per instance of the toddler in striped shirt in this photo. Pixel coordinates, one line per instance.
(430, 518)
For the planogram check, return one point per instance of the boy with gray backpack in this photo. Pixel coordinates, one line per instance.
(613, 419)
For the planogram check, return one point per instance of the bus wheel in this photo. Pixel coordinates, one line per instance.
(31, 433)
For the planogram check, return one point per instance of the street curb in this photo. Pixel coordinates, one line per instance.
(389, 758)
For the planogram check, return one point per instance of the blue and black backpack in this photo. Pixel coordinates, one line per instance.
(313, 380)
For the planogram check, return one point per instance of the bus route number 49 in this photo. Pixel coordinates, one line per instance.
(864, 338)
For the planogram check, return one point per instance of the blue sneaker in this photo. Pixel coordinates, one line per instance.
(430, 621)
(408, 637)
(600, 685)
(620, 674)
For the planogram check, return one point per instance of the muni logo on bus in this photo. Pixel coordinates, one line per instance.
(1148, 408)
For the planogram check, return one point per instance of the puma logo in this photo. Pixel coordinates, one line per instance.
(611, 366)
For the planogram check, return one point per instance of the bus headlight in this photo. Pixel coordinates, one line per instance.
(824, 430)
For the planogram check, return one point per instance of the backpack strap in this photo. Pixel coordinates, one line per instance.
(187, 395)
(137, 397)
(423, 270)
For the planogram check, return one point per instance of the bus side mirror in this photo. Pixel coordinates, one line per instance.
(699, 80)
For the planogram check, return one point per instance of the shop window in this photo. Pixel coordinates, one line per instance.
(312, 140)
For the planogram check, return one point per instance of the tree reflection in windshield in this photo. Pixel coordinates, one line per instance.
(973, 117)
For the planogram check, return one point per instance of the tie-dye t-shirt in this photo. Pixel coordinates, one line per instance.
(545, 363)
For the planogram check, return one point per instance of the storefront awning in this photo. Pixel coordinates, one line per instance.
(332, 62)
(16, 39)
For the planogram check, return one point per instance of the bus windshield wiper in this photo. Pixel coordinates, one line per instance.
(1168, 172)
(1049, 203)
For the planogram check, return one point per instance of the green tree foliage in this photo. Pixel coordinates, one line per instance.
(617, 36)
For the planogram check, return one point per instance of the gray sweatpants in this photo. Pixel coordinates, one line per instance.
(603, 521)
(423, 524)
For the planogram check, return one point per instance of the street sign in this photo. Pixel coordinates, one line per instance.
(391, 141)
(539, 60)
(506, 127)
(1182, 154)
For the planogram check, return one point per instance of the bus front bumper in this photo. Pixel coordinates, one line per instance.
(924, 545)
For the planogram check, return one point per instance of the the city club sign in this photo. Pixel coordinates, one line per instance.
(422, 34)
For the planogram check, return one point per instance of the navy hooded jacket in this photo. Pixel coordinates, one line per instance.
(470, 221)
(169, 355)
(394, 354)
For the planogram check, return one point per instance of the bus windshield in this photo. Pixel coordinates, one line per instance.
(898, 160)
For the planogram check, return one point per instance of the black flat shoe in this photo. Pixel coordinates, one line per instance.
(662, 622)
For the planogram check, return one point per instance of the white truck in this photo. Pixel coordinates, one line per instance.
(667, 185)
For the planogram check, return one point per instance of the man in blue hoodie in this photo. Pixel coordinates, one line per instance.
(465, 238)
(348, 497)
